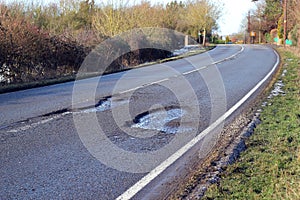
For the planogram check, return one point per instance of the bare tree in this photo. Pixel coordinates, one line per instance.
(201, 15)
(109, 20)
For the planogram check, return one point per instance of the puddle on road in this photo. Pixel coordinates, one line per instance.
(166, 121)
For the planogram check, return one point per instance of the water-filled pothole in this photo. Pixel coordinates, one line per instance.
(166, 120)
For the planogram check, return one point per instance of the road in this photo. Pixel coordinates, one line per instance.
(96, 138)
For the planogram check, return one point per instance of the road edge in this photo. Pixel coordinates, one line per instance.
(137, 187)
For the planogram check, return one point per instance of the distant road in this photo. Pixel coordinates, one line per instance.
(43, 153)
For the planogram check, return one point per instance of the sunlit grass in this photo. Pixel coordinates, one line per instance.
(270, 167)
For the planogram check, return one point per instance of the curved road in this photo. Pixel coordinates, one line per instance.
(96, 138)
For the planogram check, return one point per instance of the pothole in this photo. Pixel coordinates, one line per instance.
(166, 120)
(103, 105)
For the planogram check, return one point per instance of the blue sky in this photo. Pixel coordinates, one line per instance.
(234, 12)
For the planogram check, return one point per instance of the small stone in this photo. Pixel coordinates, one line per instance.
(213, 163)
(290, 139)
(214, 180)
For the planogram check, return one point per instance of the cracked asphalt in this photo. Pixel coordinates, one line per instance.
(62, 155)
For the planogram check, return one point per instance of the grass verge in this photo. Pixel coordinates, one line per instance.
(270, 167)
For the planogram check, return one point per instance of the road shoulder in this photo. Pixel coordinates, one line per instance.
(250, 176)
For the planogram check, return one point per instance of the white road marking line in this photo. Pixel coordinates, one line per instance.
(232, 56)
(160, 81)
(130, 90)
(185, 73)
(132, 191)
(195, 70)
(139, 87)
(33, 125)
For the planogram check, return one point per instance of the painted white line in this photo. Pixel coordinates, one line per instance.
(232, 56)
(185, 73)
(160, 81)
(202, 68)
(33, 125)
(189, 72)
(130, 90)
(139, 87)
(195, 70)
(132, 191)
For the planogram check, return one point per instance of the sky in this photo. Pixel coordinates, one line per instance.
(234, 12)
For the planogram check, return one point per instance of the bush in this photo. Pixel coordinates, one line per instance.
(30, 54)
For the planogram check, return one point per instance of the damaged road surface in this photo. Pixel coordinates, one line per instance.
(124, 135)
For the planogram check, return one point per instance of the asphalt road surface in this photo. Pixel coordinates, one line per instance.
(95, 138)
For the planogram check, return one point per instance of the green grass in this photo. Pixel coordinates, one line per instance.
(270, 167)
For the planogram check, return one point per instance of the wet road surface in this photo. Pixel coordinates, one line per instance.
(96, 138)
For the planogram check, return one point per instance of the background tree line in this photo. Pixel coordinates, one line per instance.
(46, 41)
(268, 19)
